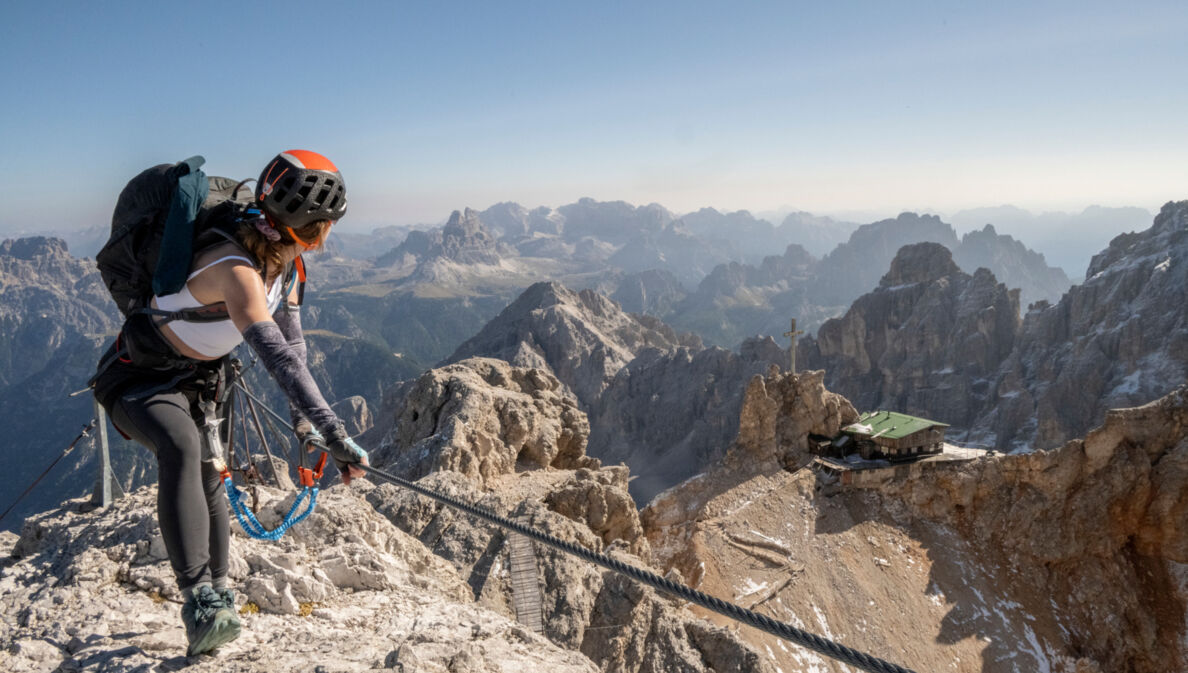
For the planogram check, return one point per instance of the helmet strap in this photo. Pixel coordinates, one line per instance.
(304, 244)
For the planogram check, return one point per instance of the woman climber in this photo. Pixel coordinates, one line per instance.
(157, 376)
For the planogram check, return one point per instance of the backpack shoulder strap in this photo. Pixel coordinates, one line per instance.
(176, 240)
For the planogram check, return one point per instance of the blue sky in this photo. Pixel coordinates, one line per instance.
(428, 107)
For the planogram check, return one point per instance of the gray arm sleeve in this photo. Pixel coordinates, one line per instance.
(292, 375)
(288, 319)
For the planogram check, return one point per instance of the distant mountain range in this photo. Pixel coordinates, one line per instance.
(1067, 240)
(388, 305)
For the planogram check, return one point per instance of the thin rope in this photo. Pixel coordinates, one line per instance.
(86, 430)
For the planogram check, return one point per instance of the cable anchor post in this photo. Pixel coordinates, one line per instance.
(107, 487)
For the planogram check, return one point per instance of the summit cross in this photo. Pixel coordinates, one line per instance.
(792, 349)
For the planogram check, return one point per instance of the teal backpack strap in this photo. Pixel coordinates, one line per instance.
(177, 241)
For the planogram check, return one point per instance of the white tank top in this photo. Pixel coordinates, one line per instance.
(211, 339)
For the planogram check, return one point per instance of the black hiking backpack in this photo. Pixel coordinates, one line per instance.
(163, 217)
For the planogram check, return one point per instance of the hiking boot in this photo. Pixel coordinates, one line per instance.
(228, 597)
(210, 621)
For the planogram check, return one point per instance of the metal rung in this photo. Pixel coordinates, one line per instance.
(526, 595)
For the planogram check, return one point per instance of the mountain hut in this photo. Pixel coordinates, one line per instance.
(895, 436)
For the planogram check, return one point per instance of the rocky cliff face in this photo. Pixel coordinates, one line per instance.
(857, 264)
(1069, 560)
(652, 292)
(1049, 232)
(47, 298)
(511, 439)
(581, 337)
(657, 401)
(928, 341)
(1013, 263)
(1119, 339)
(1095, 529)
(936, 342)
(737, 301)
(669, 414)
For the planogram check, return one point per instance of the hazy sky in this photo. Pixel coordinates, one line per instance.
(429, 107)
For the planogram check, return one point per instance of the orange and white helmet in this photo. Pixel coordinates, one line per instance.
(299, 187)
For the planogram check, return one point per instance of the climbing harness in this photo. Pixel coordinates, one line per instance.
(764, 623)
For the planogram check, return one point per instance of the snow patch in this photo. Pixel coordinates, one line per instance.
(1130, 384)
(751, 588)
(824, 624)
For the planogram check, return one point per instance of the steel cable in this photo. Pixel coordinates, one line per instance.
(764, 623)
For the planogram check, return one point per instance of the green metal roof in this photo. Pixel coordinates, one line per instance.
(890, 424)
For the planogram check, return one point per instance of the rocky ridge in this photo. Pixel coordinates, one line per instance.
(1117, 340)
(738, 300)
(344, 591)
(1070, 560)
(956, 353)
(1048, 232)
(1014, 263)
(657, 401)
(581, 337)
(520, 439)
(928, 341)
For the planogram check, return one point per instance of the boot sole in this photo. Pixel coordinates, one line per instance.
(222, 630)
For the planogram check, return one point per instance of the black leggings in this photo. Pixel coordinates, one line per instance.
(191, 505)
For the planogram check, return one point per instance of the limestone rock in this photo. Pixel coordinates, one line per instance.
(1127, 483)
(929, 341)
(583, 337)
(342, 591)
(1002, 563)
(952, 348)
(55, 317)
(1113, 341)
(461, 413)
(778, 414)
(600, 501)
(353, 412)
(668, 415)
(653, 292)
(1013, 263)
(481, 417)
(857, 264)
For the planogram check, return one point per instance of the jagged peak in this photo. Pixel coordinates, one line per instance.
(543, 295)
(32, 247)
(920, 262)
(1172, 217)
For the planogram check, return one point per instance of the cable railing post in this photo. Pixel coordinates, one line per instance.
(107, 488)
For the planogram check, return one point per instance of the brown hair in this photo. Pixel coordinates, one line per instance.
(268, 252)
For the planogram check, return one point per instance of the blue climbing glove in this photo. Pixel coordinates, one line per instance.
(345, 453)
